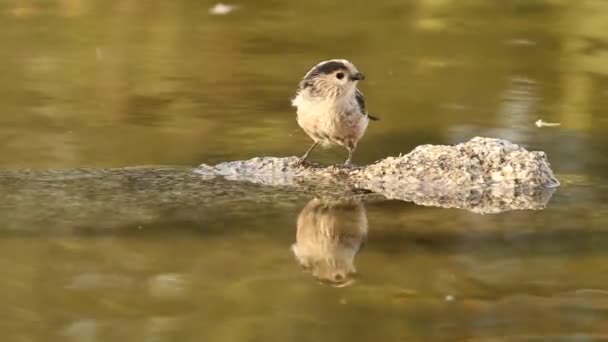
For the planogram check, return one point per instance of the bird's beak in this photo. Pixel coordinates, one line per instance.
(357, 77)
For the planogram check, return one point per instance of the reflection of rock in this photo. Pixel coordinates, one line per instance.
(330, 234)
(496, 173)
(481, 200)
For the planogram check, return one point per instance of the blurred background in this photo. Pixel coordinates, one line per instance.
(122, 83)
(114, 84)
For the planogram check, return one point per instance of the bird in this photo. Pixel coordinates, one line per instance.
(330, 233)
(329, 107)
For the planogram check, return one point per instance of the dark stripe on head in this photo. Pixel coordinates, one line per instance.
(330, 67)
(325, 69)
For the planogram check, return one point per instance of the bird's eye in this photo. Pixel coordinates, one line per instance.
(340, 75)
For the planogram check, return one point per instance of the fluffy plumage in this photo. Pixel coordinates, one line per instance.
(330, 108)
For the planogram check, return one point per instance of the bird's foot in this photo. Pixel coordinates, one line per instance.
(301, 162)
(349, 165)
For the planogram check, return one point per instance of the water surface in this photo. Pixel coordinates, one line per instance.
(91, 254)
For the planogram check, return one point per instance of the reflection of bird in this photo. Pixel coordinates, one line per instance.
(329, 236)
(330, 108)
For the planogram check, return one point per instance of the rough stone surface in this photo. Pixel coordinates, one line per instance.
(484, 175)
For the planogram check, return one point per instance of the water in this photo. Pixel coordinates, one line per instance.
(94, 250)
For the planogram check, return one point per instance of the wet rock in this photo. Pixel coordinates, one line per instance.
(484, 175)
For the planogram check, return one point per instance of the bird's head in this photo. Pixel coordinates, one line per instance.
(332, 78)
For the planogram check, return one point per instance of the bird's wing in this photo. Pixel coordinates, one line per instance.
(361, 101)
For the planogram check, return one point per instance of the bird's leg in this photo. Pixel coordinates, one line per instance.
(351, 150)
(303, 158)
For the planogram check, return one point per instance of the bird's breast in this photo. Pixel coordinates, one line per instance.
(330, 122)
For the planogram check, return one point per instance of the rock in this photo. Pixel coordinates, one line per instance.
(484, 175)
